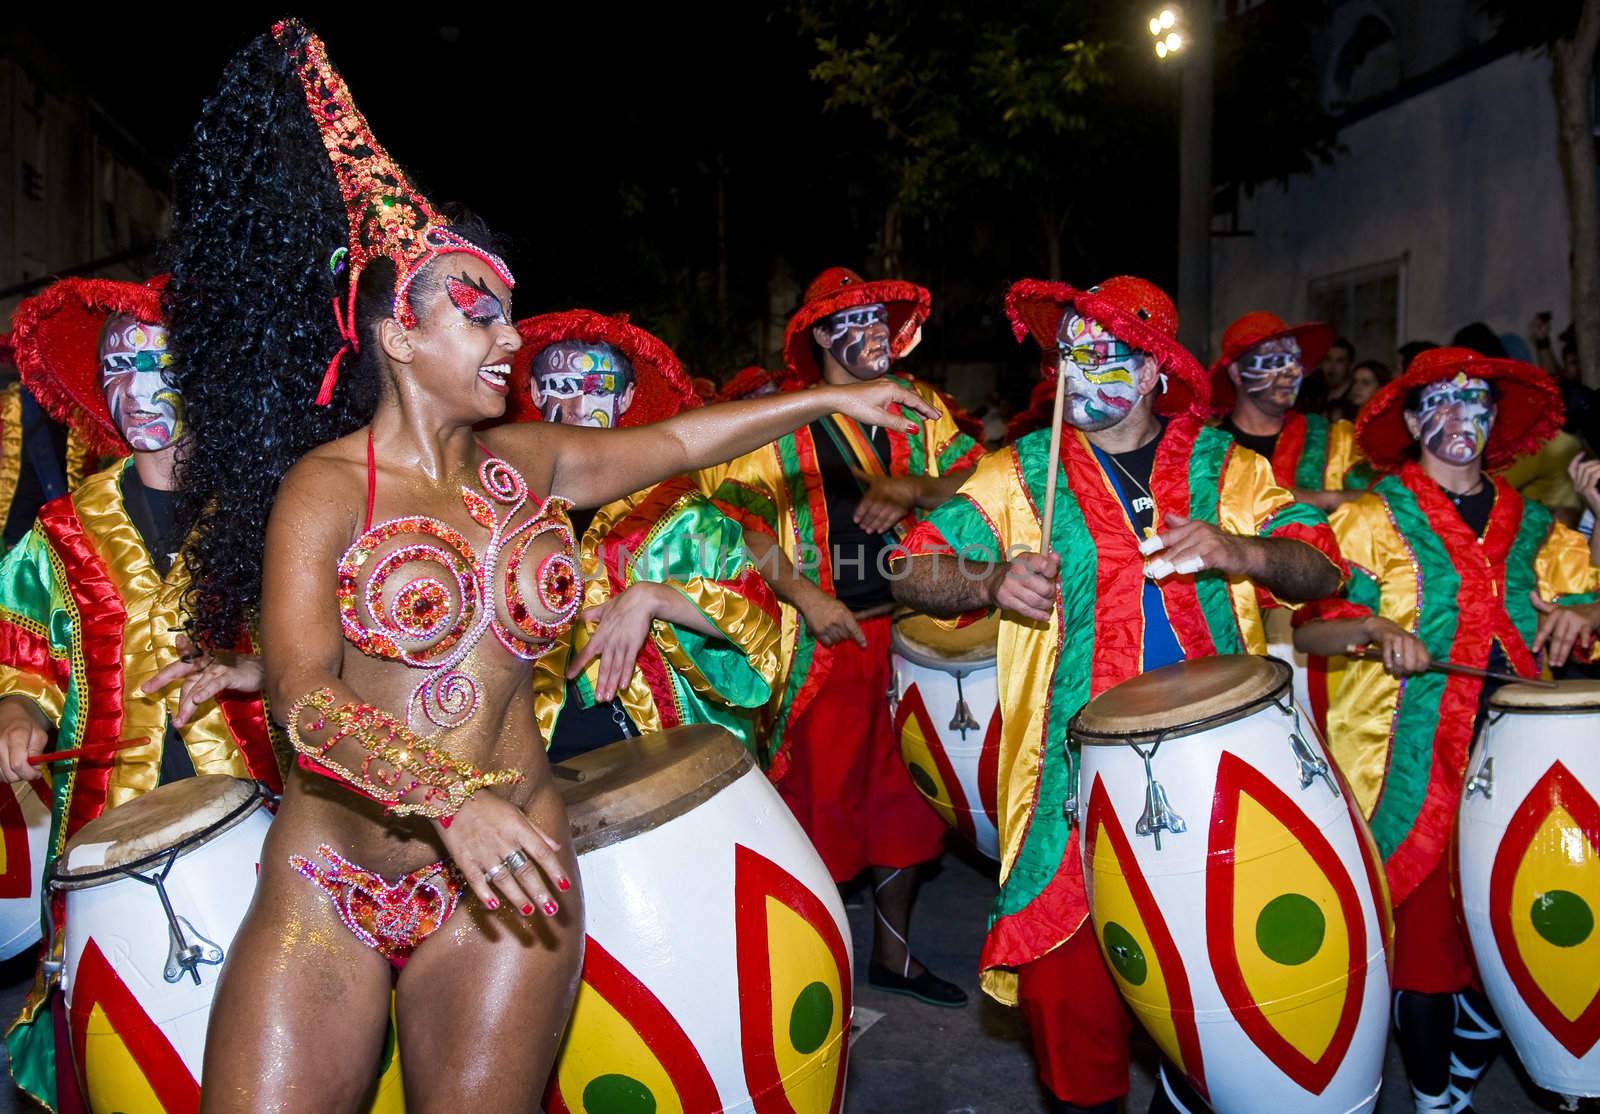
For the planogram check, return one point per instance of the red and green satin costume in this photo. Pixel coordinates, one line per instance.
(1313, 453)
(1095, 638)
(778, 489)
(1403, 744)
(671, 534)
(85, 620)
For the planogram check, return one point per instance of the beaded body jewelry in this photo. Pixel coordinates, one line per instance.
(391, 918)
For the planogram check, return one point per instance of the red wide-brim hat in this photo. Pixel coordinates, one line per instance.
(56, 338)
(837, 288)
(1135, 311)
(1313, 337)
(745, 382)
(662, 387)
(1528, 411)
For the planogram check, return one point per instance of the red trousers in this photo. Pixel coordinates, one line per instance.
(1079, 1024)
(846, 782)
(1431, 953)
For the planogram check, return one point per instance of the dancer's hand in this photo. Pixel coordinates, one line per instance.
(483, 834)
(1563, 628)
(22, 734)
(1029, 585)
(204, 676)
(623, 626)
(880, 403)
(1403, 653)
(830, 621)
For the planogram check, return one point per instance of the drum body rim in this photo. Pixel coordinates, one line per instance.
(1274, 696)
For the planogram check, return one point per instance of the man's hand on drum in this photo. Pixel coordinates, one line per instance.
(1563, 628)
(1401, 652)
(204, 676)
(503, 854)
(830, 621)
(886, 501)
(1027, 585)
(23, 733)
(1186, 547)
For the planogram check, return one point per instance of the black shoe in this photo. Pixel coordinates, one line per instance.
(926, 987)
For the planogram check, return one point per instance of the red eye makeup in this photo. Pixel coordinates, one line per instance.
(475, 300)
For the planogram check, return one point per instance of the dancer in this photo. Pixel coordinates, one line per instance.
(1448, 564)
(821, 507)
(410, 573)
(678, 626)
(1165, 531)
(90, 624)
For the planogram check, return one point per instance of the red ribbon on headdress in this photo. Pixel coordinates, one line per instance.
(346, 322)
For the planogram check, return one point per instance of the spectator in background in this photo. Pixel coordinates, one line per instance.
(1365, 380)
(1584, 472)
(1323, 391)
(1411, 349)
(1481, 339)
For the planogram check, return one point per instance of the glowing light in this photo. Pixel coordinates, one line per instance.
(1168, 18)
(1155, 25)
(1161, 50)
(1174, 41)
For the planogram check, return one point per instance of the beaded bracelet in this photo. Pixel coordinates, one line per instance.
(445, 780)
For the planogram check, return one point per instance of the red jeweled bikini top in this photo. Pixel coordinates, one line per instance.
(425, 609)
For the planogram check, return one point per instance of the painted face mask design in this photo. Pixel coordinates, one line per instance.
(859, 339)
(1271, 373)
(133, 363)
(583, 384)
(1102, 374)
(1453, 418)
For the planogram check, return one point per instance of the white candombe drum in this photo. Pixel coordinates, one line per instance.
(947, 718)
(1528, 850)
(717, 970)
(138, 999)
(1233, 887)
(24, 846)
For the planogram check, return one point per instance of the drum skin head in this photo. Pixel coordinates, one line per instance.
(929, 640)
(193, 811)
(1567, 696)
(635, 785)
(1179, 699)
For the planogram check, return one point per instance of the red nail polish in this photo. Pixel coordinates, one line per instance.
(527, 910)
(550, 909)
(491, 905)
(563, 885)
(444, 822)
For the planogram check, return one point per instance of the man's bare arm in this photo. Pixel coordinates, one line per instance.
(945, 586)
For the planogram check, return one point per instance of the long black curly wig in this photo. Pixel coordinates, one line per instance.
(257, 217)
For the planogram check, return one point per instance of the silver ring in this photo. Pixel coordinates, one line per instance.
(514, 861)
(494, 872)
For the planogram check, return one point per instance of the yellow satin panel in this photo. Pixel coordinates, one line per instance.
(939, 432)
(1343, 455)
(80, 461)
(1362, 703)
(152, 624)
(748, 627)
(10, 445)
(1250, 497)
(1563, 568)
(14, 682)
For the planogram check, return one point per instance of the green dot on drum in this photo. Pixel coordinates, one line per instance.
(1126, 956)
(923, 781)
(1290, 929)
(1562, 918)
(617, 1094)
(810, 1018)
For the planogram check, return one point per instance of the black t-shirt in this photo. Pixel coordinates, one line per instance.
(854, 557)
(582, 729)
(1137, 465)
(1266, 445)
(1475, 508)
(152, 512)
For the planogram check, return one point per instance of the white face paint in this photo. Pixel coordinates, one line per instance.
(133, 364)
(1271, 372)
(1453, 418)
(1102, 380)
(859, 339)
(583, 384)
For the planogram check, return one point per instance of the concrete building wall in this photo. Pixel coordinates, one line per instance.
(1456, 191)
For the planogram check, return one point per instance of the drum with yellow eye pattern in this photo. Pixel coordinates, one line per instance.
(947, 718)
(24, 844)
(1235, 892)
(716, 974)
(1528, 872)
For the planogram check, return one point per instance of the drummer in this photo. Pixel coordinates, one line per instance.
(90, 632)
(678, 625)
(1157, 569)
(1254, 386)
(1448, 564)
(829, 498)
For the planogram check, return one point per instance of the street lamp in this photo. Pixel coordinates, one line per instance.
(1171, 33)
(1165, 30)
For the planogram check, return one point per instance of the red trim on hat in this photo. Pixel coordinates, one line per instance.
(746, 381)
(1528, 413)
(662, 386)
(839, 288)
(1314, 338)
(56, 341)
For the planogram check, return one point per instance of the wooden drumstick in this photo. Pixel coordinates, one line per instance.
(1464, 670)
(94, 751)
(876, 611)
(1055, 455)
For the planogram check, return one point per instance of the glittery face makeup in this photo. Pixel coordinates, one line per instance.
(477, 303)
(583, 384)
(1271, 373)
(1453, 418)
(1102, 380)
(859, 339)
(133, 363)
